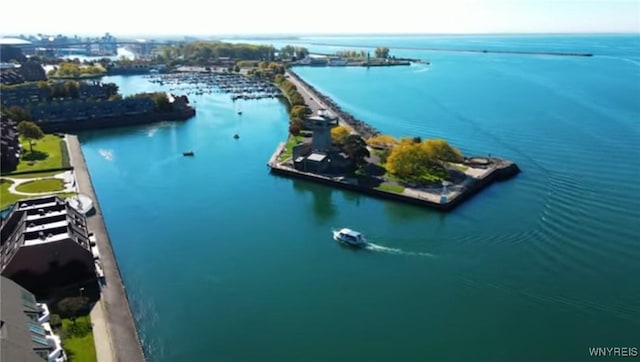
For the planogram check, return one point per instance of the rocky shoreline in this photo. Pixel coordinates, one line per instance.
(363, 129)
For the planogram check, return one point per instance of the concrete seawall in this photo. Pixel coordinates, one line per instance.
(120, 324)
(497, 174)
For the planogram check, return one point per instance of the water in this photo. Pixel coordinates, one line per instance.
(121, 53)
(223, 261)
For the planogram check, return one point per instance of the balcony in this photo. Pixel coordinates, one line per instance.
(44, 313)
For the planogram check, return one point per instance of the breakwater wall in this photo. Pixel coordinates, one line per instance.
(112, 122)
(483, 51)
(365, 130)
(507, 171)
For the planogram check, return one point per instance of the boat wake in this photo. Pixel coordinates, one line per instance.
(107, 154)
(385, 249)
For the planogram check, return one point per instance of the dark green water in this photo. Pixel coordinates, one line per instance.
(225, 262)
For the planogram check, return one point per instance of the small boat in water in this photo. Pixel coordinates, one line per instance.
(236, 136)
(350, 237)
(188, 153)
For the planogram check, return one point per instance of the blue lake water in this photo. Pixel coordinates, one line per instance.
(223, 261)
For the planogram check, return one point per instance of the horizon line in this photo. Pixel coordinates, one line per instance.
(333, 34)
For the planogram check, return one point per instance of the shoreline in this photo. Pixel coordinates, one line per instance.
(121, 328)
(409, 195)
(114, 122)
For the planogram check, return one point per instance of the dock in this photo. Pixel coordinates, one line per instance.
(121, 329)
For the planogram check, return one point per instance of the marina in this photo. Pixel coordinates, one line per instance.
(238, 86)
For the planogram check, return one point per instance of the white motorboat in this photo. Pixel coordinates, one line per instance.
(350, 237)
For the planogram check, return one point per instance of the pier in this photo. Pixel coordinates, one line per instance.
(121, 329)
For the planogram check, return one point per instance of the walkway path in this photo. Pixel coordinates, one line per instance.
(66, 177)
(119, 320)
(101, 338)
(313, 102)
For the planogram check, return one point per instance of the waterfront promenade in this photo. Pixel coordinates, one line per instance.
(123, 340)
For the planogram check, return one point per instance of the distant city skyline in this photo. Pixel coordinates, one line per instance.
(283, 17)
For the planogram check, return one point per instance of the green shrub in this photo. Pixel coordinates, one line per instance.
(55, 320)
(64, 152)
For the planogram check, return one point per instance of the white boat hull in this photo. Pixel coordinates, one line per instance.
(354, 243)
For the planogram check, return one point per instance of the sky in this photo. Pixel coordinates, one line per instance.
(197, 17)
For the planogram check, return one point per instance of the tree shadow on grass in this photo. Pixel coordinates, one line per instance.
(35, 156)
(370, 182)
(375, 170)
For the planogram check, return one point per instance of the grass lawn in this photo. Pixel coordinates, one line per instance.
(37, 186)
(390, 188)
(7, 198)
(77, 340)
(46, 154)
(458, 166)
(288, 149)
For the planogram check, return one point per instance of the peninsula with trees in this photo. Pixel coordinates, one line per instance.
(329, 146)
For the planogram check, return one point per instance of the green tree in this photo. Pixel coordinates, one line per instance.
(339, 135)
(73, 306)
(382, 141)
(46, 86)
(18, 114)
(382, 52)
(295, 126)
(30, 131)
(111, 89)
(71, 88)
(298, 111)
(356, 148)
(161, 102)
(413, 162)
(441, 150)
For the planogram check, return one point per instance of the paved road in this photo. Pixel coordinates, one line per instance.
(313, 101)
(121, 328)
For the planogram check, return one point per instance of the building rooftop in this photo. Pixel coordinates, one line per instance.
(13, 41)
(39, 221)
(317, 157)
